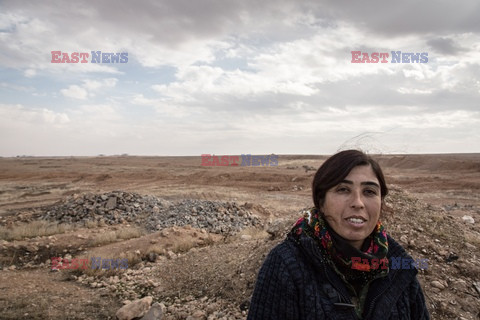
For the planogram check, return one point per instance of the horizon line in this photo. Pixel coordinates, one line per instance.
(125, 155)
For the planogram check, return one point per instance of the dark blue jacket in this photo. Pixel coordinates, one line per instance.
(295, 282)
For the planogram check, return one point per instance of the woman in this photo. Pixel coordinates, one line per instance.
(336, 262)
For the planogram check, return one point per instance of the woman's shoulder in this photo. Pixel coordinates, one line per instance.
(284, 249)
(287, 252)
(296, 253)
(295, 245)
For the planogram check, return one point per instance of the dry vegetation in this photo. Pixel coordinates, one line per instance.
(117, 235)
(33, 229)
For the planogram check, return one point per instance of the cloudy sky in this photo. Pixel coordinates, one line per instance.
(243, 76)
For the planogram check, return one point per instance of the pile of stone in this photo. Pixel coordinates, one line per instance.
(112, 208)
(151, 212)
(214, 216)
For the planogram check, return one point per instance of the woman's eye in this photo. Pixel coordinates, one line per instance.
(342, 189)
(371, 192)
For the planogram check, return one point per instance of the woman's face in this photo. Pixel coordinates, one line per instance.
(352, 208)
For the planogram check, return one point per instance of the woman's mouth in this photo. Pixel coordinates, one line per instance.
(356, 221)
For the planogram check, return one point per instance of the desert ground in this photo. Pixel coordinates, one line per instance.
(195, 236)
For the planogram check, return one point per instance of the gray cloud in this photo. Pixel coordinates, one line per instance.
(397, 18)
(173, 22)
(445, 46)
(168, 22)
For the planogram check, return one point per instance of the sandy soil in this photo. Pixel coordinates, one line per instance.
(443, 187)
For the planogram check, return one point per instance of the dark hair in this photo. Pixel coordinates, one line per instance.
(337, 167)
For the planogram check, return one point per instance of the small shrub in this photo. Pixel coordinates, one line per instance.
(104, 238)
(255, 233)
(183, 246)
(90, 224)
(129, 233)
(155, 249)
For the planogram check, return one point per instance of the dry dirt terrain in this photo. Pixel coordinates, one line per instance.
(194, 237)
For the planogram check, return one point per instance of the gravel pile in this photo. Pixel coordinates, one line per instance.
(112, 208)
(214, 216)
(151, 212)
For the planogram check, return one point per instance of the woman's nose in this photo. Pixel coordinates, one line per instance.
(357, 202)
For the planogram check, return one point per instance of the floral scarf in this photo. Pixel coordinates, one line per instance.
(356, 267)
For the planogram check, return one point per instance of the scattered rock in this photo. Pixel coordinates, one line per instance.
(245, 305)
(297, 188)
(111, 203)
(468, 219)
(451, 257)
(155, 312)
(309, 168)
(278, 228)
(272, 188)
(438, 285)
(152, 257)
(198, 315)
(171, 255)
(31, 248)
(135, 309)
(163, 233)
(470, 246)
(476, 285)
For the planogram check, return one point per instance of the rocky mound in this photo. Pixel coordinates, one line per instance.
(112, 208)
(151, 212)
(214, 216)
